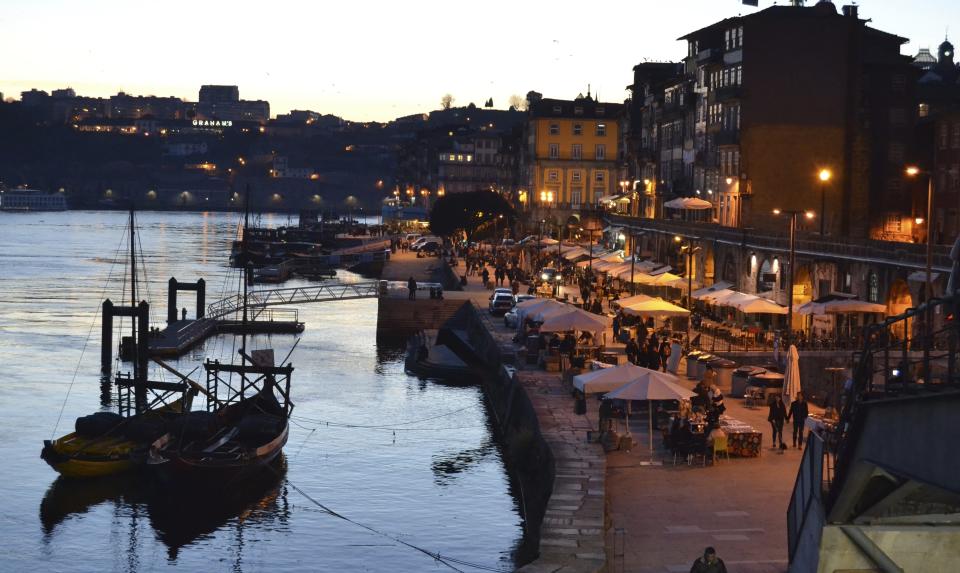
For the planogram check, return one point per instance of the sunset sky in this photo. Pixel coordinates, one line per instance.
(374, 60)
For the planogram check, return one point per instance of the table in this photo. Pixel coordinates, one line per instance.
(742, 439)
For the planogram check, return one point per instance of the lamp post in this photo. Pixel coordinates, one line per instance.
(914, 171)
(824, 175)
(633, 261)
(791, 259)
(690, 249)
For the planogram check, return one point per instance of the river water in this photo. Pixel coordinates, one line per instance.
(408, 462)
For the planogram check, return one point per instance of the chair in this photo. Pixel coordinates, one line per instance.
(698, 447)
(720, 448)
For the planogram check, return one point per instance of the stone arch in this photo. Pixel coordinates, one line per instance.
(709, 263)
(728, 271)
(899, 299)
(765, 268)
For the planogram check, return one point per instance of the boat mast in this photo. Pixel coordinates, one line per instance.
(246, 272)
(133, 297)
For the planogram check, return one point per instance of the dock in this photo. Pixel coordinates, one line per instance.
(182, 335)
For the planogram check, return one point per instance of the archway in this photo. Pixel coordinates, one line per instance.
(899, 300)
(802, 294)
(709, 265)
(728, 271)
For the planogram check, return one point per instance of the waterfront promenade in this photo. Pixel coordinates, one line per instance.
(655, 517)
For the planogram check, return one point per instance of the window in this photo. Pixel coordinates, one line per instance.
(554, 150)
(956, 136)
(575, 176)
(944, 135)
(601, 129)
(601, 152)
(923, 110)
(553, 175)
(576, 151)
(599, 176)
(453, 157)
(578, 129)
(578, 110)
(554, 129)
(557, 109)
(601, 110)
(873, 295)
(898, 82)
(575, 197)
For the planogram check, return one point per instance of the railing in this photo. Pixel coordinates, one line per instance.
(323, 292)
(813, 479)
(902, 254)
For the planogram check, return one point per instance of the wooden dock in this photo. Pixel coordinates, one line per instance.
(182, 335)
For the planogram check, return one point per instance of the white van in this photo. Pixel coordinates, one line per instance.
(411, 237)
(424, 240)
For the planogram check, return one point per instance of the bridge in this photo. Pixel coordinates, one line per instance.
(323, 292)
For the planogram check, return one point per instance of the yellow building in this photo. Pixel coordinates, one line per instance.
(572, 149)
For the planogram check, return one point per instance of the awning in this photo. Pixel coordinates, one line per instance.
(717, 286)
(656, 307)
(761, 306)
(691, 203)
(841, 306)
(921, 276)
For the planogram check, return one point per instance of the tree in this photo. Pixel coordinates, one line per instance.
(469, 212)
(446, 102)
(519, 103)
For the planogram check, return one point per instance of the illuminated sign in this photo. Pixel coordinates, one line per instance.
(212, 123)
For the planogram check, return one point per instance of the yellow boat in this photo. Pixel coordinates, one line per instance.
(76, 456)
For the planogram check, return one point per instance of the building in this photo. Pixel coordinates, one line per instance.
(572, 151)
(224, 103)
(124, 105)
(946, 178)
(749, 123)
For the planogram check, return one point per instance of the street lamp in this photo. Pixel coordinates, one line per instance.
(690, 249)
(824, 175)
(793, 234)
(914, 171)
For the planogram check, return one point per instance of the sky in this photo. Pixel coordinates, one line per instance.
(368, 60)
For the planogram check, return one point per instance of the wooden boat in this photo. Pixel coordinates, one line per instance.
(106, 443)
(246, 422)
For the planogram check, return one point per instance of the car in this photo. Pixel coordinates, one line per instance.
(500, 303)
(419, 243)
(499, 290)
(549, 274)
(430, 248)
(512, 318)
(411, 237)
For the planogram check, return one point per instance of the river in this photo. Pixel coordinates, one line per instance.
(410, 464)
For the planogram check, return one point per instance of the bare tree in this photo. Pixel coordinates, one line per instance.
(446, 102)
(518, 102)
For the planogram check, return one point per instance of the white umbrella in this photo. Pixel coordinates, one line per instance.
(761, 306)
(635, 299)
(651, 385)
(791, 377)
(607, 379)
(656, 307)
(705, 291)
(576, 319)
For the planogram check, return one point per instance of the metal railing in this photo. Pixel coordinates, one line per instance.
(324, 292)
(810, 487)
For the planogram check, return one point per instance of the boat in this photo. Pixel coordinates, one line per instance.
(31, 200)
(109, 443)
(246, 421)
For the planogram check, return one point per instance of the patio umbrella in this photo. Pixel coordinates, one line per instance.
(635, 299)
(706, 291)
(791, 377)
(761, 306)
(651, 385)
(656, 307)
(608, 379)
(575, 319)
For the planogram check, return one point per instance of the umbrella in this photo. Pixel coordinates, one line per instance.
(842, 306)
(656, 307)
(717, 297)
(575, 252)
(607, 379)
(688, 203)
(791, 377)
(761, 306)
(575, 319)
(651, 385)
(637, 298)
(704, 292)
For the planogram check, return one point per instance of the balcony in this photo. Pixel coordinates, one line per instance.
(727, 137)
(727, 93)
(709, 55)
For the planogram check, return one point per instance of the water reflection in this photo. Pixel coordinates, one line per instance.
(178, 517)
(183, 516)
(447, 465)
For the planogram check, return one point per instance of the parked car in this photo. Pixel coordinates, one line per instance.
(500, 303)
(416, 246)
(410, 238)
(510, 319)
(549, 274)
(429, 249)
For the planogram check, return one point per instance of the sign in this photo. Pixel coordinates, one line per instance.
(212, 123)
(769, 277)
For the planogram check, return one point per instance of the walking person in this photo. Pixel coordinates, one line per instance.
(709, 563)
(776, 417)
(486, 277)
(412, 287)
(632, 351)
(664, 352)
(799, 412)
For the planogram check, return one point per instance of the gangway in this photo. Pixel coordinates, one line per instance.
(324, 292)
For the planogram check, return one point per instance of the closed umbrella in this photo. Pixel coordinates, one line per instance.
(651, 385)
(791, 377)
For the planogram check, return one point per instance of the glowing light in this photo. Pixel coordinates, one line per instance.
(776, 211)
(809, 214)
(913, 171)
(918, 220)
(825, 175)
(729, 180)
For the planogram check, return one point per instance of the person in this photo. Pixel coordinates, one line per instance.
(777, 415)
(716, 398)
(183, 314)
(653, 355)
(799, 412)
(616, 326)
(641, 331)
(412, 287)
(596, 309)
(709, 377)
(486, 276)
(664, 352)
(709, 563)
(676, 352)
(632, 350)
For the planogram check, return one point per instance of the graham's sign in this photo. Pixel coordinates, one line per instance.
(212, 123)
